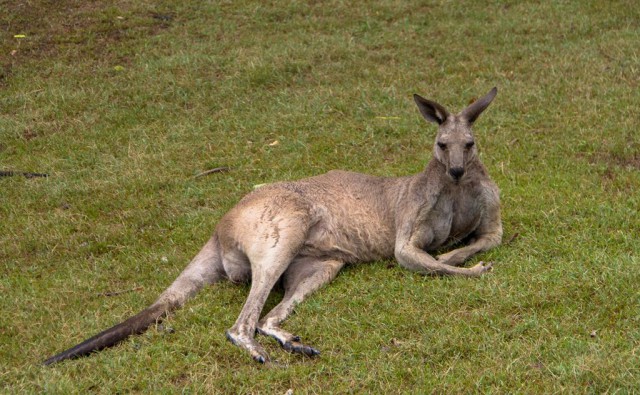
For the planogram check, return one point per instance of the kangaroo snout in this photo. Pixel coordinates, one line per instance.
(456, 172)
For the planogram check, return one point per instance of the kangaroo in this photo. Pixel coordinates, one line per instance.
(303, 232)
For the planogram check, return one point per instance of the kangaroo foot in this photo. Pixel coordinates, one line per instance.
(289, 342)
(250, 344)
(296, 346)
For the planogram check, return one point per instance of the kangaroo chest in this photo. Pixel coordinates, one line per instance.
(454, 217)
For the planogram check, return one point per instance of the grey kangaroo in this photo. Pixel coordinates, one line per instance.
(303, 232)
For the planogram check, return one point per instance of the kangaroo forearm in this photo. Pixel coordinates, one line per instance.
(460, 255)
(487, 241)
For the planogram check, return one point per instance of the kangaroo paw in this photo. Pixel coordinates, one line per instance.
(482, 267)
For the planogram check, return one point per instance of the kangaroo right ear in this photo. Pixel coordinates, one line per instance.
(472, 112)
(430, 110)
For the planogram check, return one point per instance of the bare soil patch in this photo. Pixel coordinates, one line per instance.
(71, 29)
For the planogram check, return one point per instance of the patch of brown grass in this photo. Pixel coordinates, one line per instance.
(619, 158)
(33, 30)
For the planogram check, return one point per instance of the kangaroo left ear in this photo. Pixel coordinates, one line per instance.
(430, 110)
(472, 112)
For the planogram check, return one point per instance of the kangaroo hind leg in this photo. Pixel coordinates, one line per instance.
(269, 260)
(303, 277)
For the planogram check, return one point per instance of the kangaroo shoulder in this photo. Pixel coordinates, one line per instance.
(490, 191)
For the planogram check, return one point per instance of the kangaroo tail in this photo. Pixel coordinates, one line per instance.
(205, 268)
(114, 335)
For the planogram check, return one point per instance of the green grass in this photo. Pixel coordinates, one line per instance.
(123, 103)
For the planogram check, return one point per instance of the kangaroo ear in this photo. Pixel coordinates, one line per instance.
(431, 111)
(472, 112)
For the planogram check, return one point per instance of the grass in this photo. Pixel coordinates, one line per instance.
(123, 103)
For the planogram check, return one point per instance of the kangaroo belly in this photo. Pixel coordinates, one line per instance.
(351, 236)
(354, 221)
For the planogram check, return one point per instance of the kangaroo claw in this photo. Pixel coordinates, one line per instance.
(482, 267)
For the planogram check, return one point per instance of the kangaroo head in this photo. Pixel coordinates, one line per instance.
(454, 147)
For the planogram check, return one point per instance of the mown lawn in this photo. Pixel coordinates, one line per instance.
(123, 103)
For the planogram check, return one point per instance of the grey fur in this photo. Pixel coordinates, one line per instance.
(305, 231)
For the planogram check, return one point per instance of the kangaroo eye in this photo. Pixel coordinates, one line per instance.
(442, 146)
(470, 144)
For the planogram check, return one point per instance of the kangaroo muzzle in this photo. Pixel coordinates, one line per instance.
(456, 162)
(456, 173)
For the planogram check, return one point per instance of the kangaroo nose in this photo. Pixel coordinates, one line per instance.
(456, 172)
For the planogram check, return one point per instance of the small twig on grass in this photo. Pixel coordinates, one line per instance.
(512, 238)
(221, 169)
(8, 173)
(116, 293)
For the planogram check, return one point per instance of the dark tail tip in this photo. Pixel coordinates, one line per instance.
(112, 336)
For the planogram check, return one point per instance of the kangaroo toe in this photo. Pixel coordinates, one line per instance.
(300, 348)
